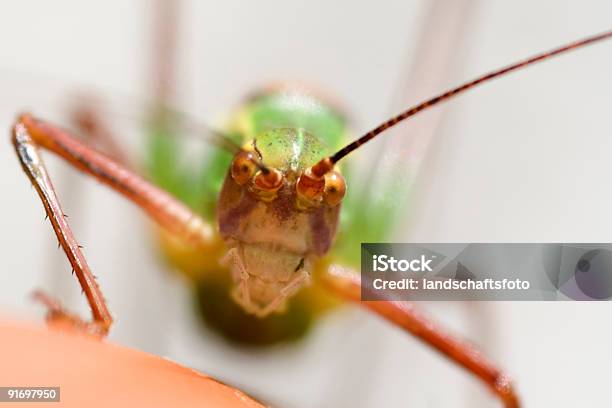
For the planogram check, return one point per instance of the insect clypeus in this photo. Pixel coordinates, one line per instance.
(262, 227)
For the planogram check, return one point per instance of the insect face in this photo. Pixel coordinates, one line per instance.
(273, 231)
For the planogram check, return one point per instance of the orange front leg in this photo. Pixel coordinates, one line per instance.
(173, 216)
(346, 283)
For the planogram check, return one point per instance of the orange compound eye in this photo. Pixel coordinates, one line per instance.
(243, 167)
(335, 188)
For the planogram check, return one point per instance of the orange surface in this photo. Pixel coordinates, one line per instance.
(97, 373)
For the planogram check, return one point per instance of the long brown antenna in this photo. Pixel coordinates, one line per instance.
(327, 163)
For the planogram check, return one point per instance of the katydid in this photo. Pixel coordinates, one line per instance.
(276, 226)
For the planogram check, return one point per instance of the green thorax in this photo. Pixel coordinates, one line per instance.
(262, 117)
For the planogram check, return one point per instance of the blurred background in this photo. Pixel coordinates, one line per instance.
(524, 159)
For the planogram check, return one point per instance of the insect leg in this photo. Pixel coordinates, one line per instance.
(345, 283)
(165, 210)
(36, 171)
(28, 135)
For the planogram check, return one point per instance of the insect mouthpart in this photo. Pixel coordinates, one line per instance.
(266, 276)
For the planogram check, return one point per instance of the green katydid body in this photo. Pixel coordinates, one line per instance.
(269, 251)
(277, 207)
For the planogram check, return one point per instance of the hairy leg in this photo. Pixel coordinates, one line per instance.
(37, 173)
(345, 283)
(29, 134)
(169, 213)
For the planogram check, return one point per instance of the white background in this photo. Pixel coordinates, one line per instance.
(522, 159)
